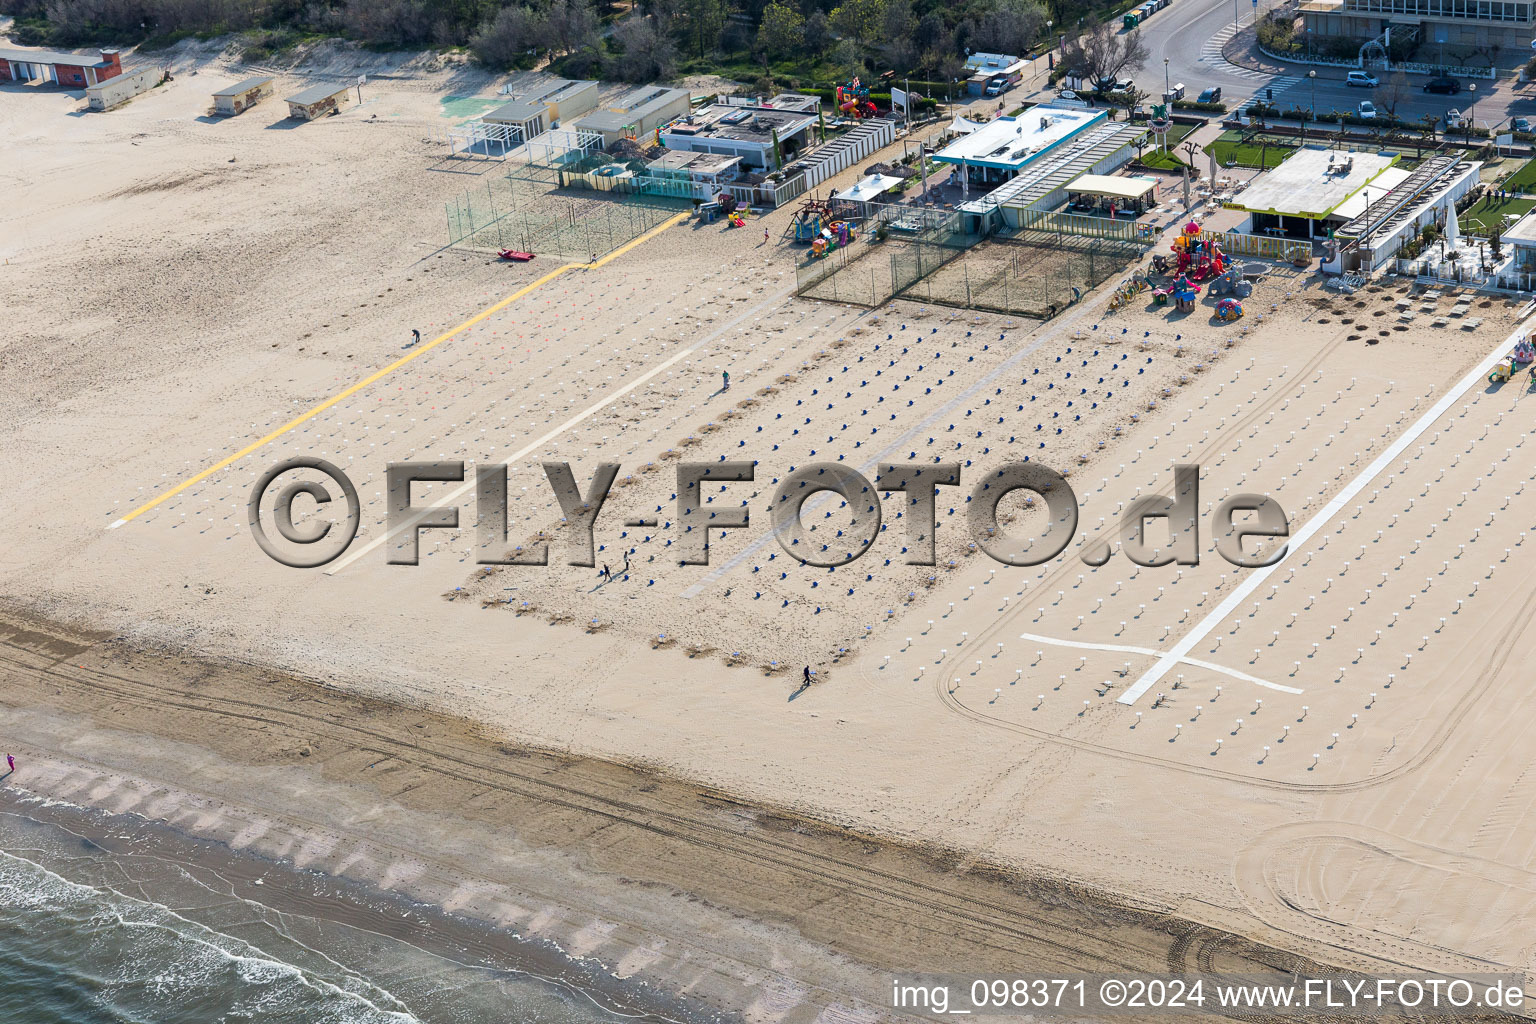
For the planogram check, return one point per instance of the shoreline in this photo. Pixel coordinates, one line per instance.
(641, 873)
(292, 892)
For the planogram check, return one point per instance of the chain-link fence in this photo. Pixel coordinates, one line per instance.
(1031, 273)
(510, 213)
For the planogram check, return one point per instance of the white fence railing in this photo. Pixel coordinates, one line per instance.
(1323, 60)
(840, 154)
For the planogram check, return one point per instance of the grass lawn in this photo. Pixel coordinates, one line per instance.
(1523, 180)
(1165, 161)
(1488, 212)
(1247, 154)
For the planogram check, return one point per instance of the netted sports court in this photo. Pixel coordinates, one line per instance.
(1029, 273)
(527, 210)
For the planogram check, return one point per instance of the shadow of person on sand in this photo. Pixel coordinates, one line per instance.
(620, 574)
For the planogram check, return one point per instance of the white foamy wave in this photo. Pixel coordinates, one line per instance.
(142, 951)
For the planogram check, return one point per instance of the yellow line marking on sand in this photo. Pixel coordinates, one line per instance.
(393, 529)
(392, 367)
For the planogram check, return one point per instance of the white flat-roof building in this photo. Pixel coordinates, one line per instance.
(871, 189)
(113, 92)
(999, 150)
(1393, 208)
(636, 113)
(992, 62)
(546, 106)
(763, 138)
(1297, 198)
(705, 172)
(981, 68)
(1521, 236)
(1042, 184)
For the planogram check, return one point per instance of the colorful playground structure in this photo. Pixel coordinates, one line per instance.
(834, 236)
(1525, 352)
(813, 213)
(1200, 258)
(853, 99)
(1128, 290)
(1229, 310)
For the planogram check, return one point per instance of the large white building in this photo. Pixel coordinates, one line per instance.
(1000, 149)
(1451, 22)
(764, 138)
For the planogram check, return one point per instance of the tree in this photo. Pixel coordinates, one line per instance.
(818, 33)
(647, 52)
(897, 21)
(932, 33)
(508, 37)
(1011, 26)
(1394, 92)
(1101, 52)
(846, 60)
(860, 20)
(782, 31)
(703, 20)
(570, 25)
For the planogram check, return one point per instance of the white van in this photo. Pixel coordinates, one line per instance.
(1361, 79)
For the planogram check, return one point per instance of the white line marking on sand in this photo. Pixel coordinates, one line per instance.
(1150, 677)
(1123, 649)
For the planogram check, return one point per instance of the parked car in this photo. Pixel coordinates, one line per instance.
(1445, 84)
(1211, 95)
(1367, 109)
(1362, 79)
(1520, 124)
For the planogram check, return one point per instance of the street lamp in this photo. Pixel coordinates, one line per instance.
(1312, 80)
(1166, 87)
(1472, 118)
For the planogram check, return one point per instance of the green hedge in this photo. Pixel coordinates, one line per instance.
(1214, 108)
(1381, 120)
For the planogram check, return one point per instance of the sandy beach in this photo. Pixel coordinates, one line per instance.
(998, 767)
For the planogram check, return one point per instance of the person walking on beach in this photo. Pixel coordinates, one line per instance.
(725, 380)
(805, 677)
(415, 339)
(10, 762)
(607, 573)
(765, 236)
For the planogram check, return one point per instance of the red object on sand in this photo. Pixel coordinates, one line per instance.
(513, 254)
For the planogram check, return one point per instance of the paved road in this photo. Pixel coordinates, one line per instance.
(1190, 35)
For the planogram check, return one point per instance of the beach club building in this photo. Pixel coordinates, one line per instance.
(317, 101)
(1001, 149)
(242, 96)
(638, 112)
(764, 138)
(72, 70)
(1301, 197)
(545, 107)
(1042, 182)
(698, 175)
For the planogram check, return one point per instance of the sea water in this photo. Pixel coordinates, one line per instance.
(104, 929)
